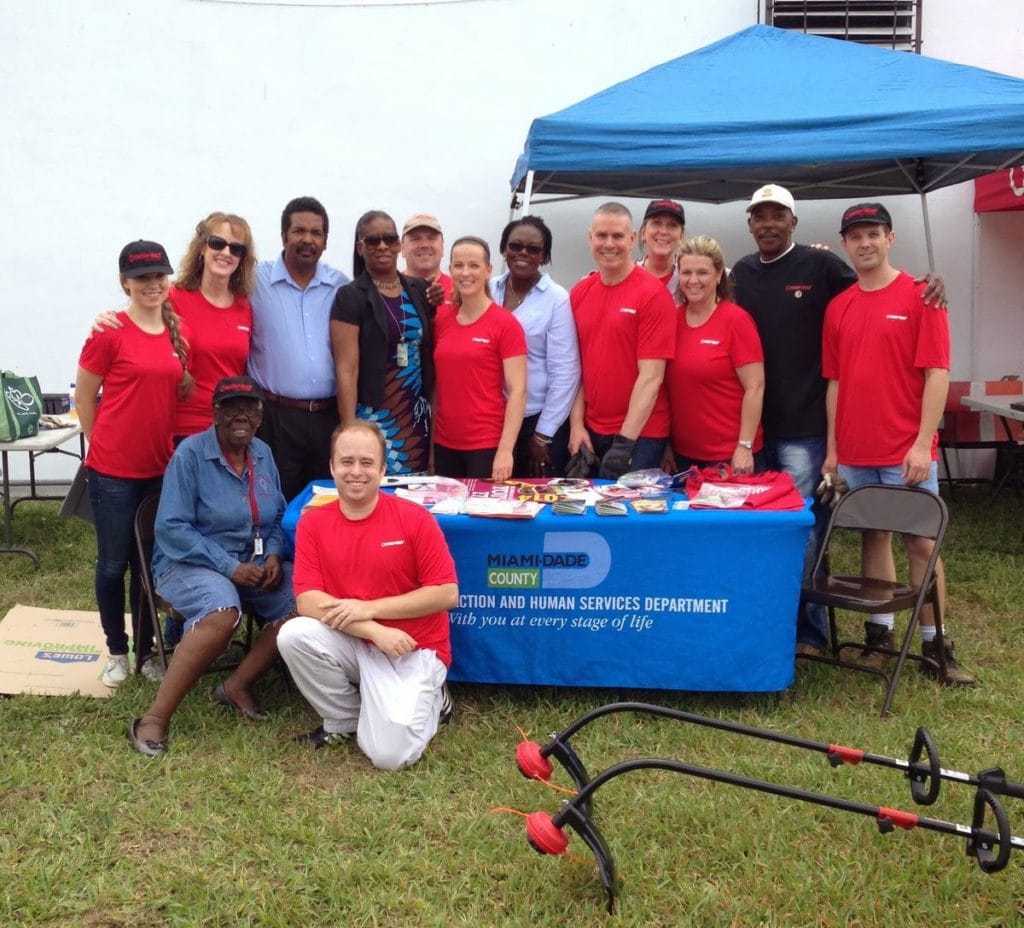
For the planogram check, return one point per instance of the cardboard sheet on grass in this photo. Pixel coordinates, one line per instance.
(52, 652)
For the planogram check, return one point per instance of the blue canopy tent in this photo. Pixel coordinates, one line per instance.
(826, 118)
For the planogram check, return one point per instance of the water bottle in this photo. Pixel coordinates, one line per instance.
(71, 402)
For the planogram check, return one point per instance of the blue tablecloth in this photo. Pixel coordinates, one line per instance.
(685, 600)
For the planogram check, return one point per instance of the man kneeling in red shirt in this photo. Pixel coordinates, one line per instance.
(373, 582)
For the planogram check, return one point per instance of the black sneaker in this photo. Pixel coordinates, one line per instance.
(876, 636)
(955, 673)
(447, 706)
(318, 738)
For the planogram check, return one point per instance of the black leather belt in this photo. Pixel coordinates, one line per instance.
(308, 405)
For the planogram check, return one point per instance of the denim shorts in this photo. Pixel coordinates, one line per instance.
(890, 476)
(195, 592)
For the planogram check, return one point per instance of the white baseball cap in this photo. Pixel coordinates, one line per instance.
(773, 193)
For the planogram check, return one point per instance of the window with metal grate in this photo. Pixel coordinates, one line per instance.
(887, 23)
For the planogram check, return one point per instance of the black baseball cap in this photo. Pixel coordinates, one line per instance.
(236, 388)
(665, 208)
(142, 257)
(873, 213)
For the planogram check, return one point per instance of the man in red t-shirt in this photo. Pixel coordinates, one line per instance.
(423, 249)
(373, 582)
(626, 323)
(885, 355)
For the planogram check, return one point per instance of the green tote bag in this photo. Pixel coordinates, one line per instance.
(21, 405)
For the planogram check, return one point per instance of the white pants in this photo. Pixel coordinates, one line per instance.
(394, 712)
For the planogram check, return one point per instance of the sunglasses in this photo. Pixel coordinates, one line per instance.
(534, 251)
(219, 244)
(375, 241)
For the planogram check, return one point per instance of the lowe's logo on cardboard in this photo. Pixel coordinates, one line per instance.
(67, 657)
(569, 561)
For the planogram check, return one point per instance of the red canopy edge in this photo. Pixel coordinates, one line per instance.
(1003, 190)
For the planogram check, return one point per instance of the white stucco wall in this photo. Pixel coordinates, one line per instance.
(990, 339)
(134, 118)
(986, 35)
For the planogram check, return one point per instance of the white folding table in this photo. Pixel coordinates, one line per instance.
(1001, 406)
(48, 441)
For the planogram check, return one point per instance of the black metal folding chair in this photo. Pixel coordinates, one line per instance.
(148, 608)
(146, 613)
(902, 510)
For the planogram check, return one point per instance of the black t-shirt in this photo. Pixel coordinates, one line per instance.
(787, 299)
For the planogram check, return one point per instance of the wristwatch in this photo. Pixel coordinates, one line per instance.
(745, 444)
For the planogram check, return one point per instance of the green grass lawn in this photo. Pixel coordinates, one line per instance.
(237, 826)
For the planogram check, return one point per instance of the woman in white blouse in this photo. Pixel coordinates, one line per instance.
(552, 358)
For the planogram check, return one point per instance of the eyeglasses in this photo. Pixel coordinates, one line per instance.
(375, 241)
(235, 409)
(219, 244)
(534, 251)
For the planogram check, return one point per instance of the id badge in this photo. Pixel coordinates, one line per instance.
(402, 354)
(257, 547)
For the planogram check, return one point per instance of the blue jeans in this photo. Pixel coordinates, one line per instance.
(802, 459)
(647, 452)
(114, 501)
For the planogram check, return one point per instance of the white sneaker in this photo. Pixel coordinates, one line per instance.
(116, 671)
(152, 669)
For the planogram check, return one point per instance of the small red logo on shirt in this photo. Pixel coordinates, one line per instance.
(627, 309)
(710, 341)
(482, 341)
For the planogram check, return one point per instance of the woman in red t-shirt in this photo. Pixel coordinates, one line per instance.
(141, 366)
(716, 378)
(480, 372)
(660, 235)
(211, 296)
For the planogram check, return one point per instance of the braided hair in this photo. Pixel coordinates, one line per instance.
(534, 222)
(173, 323)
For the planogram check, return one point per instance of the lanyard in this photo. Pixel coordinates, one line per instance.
(254, 507)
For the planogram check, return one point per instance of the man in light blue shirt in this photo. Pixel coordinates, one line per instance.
(290, 356)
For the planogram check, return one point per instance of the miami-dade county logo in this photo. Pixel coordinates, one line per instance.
(568, 561)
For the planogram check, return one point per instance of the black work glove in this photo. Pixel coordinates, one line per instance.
(616, 459)
(581, 465)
